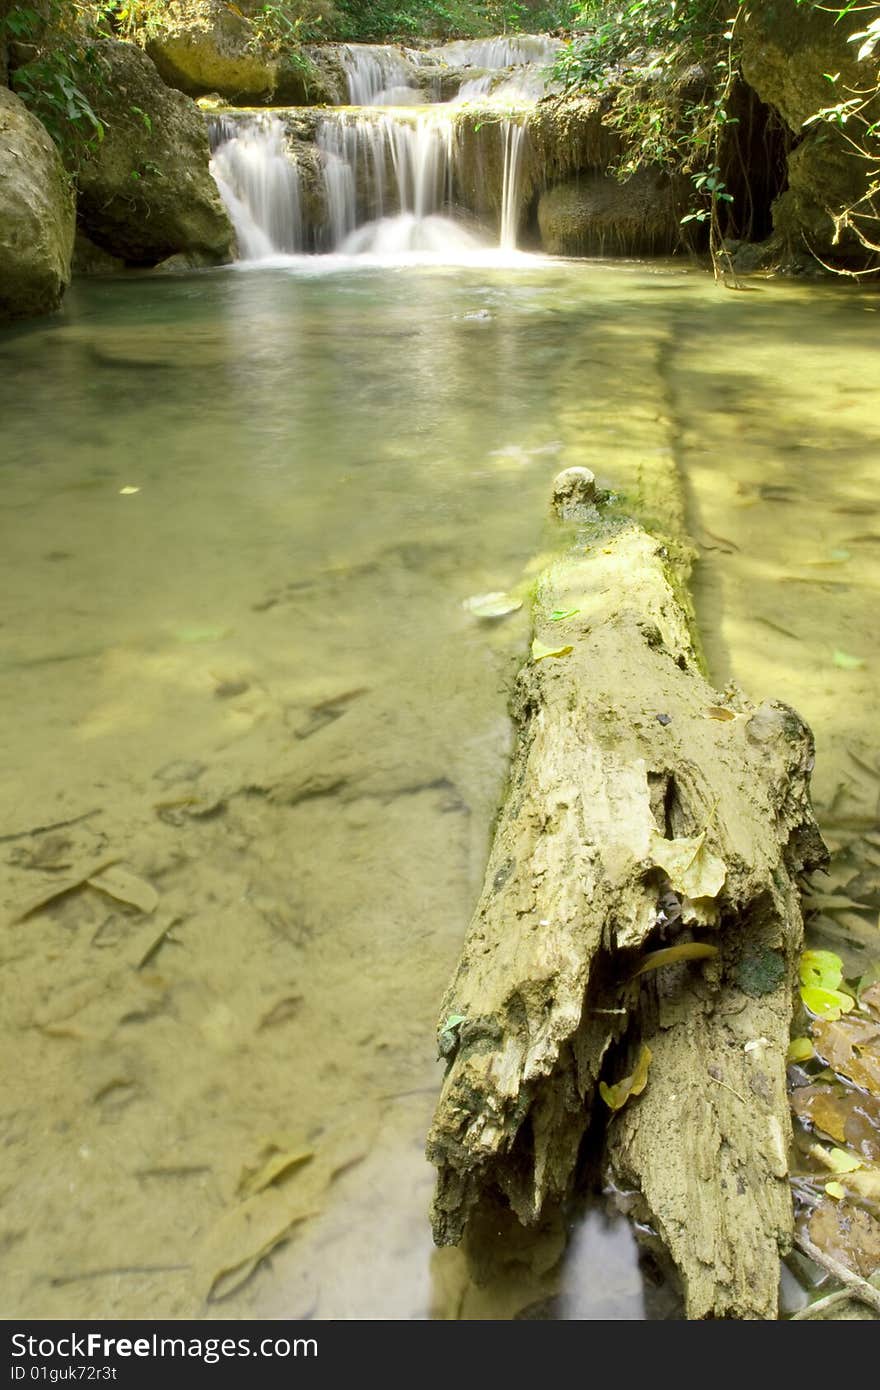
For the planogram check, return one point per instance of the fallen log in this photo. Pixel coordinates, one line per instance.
(643, 810)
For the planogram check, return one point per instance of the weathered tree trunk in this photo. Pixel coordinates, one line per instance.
(643, 810)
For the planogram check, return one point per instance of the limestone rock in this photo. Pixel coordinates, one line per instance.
(202, 46)
(205, 46)
(787, 51)
(595, 215)
(146, 192)
(788, 48)
(89, 259)
(36, 215)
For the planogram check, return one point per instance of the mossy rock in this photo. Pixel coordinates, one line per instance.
(146, 191)
(36, 215)
(597, 215)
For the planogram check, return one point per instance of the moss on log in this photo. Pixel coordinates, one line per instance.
(644, 809)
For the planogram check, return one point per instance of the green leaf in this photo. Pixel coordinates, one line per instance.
(559, 613)
(822, 968)
(826, 1003)
(847, 662)
(841, 1162)
(799, 1050)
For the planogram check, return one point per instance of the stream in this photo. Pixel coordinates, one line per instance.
(243, 511)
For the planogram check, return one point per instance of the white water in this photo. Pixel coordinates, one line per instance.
(260, 185)
(390, 181)
(514, 132)
(505, 51)
(378, 75)
(376, 166)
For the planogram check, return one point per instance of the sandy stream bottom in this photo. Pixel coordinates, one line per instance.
(252, 683)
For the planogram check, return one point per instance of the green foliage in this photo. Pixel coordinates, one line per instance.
(385, 19)
(64, 62)
(667, 68)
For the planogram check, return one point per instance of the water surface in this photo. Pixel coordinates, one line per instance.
(241, 512)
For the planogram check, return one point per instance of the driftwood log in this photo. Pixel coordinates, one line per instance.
(643, 810)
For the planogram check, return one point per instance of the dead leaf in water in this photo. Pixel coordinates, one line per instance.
(75, 880)
(851, 1046)
(848, 1235)
(241, 1240)
(275, 1166)
(720, 712)
(869, 997)
(126, 888)
(850, 1118)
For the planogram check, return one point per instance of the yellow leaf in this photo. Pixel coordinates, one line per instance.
(540, 650)
(688, 950)
(720, 712)
(835, 1190)
(691, 868)
(615, 1097)
(839, 1161)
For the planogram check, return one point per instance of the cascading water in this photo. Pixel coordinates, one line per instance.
(504, 51)
(376, 166)
(381, 181)
(378, 75)
(259, 184)
(513, 139)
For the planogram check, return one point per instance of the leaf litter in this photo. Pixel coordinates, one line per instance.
(837, 1183)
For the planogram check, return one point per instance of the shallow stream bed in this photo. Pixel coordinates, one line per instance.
(241, 513)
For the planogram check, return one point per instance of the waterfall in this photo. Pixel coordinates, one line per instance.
(378, 75)
(505, 51)
(513, 133)
(391, 175)
(260, 186)
(388, 182)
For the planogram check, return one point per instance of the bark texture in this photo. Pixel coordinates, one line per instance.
(644, 809)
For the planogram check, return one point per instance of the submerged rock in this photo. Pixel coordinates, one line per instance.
(596, 215)
(36, 215)
(145, 192)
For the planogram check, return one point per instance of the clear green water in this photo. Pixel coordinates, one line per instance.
(254, 682)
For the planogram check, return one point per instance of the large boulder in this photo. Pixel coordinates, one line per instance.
(597, 215)
(36, 215)
(205, 46)
(202, 46)
(145, 190)
(790, 54)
